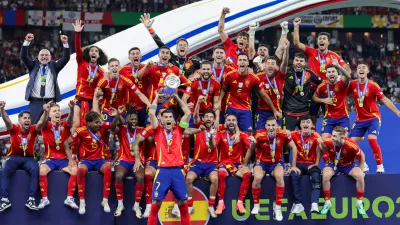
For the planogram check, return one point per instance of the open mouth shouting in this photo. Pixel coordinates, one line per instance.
(93, 58)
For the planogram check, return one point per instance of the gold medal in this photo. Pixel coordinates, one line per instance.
(43, 83)
(360, 104)
(58, 147)
(209, 150)
(273, 159)
(302, 93)
(278, 97)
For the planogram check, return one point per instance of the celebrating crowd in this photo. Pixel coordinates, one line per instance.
(155, 122)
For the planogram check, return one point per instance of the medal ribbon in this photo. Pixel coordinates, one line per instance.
(337, 156)
(43, 72)
(322, 61)
(305, 146)
(94, 136)
(168, 137)
(330, 95)
(361, 95)
(162, 64)
(57, 134)
(300, 84)
(182, 66)
(203, 91)
(230, 142)
(208, 138)
(272, 148)
(134, 70)
(92, 74)
(113, 90)
(219, 77)
(24, 143)
(274, 87)
(130, 138)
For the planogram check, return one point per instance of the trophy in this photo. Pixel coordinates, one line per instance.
(171, 83)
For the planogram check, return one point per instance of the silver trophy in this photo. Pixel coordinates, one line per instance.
(171, 83)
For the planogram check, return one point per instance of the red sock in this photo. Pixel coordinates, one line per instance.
(376, 150)
(327, 194)
(43, 185)
(119, 189)
(211, 201)
(256, 195)
(185, 217)
(190, 202)
(148, 188)
(71, 185)
(279, 191)
(139, 192)
(360, 195)
(244, 187)
(107, 181)
(221, 184)
(153, 217)
(81, 182)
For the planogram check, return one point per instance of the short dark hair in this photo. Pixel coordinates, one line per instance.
(21, 114)
(363, 63)
(131, 111)
(300, 55)
(306, 117)
(272, 58)
(165, 47)
(167, 111)
(244, 34)
(205, 62)
(182, 39)
(226, 115)
(113, 60)
(341, 130)
(332, 66)
(242, 53)
(209, 111)
(91, 116)
(270, 118)
(161, 109)
(263, 45)
(219, 47)
(102, 60)
(133, 48)
(55, 105)
(325, 34)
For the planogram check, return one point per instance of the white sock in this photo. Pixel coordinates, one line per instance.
(120, 202)
(359, 201)
(258, 205)
(82, 200)
(45, 198)
(4, 199)
(69, 197)
(148, 206)
(240, 201)
(136, 204)
(105, 199)
(277, 207)
(220, 201)
(328, 201)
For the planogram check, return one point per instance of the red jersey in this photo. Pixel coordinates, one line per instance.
(369, 109)
(349, 152)
(202, 152)
(240, 89)
(238, 150)
(84, 88)
(120, 86)
(232, 51)
(151, 153)
(273, 87)
(142, 84)
(50, 133)
(338, 93)
(319, 62)
(219, 75)
(92, 146)
(126, 141)
(169, 156)
(209, 89)
(17, 139)
(264, 145)
(308, 142)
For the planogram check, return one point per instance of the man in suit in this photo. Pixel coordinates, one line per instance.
(43, 73)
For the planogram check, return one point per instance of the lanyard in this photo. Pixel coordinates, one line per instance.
(208, 139)
(230, 142)
(337, 156)
(331, 93)
(205, 92)
(182, 66)
(305, 146)
(57, 135)
(221, 73)
(272, 148)
(162, 64)
(24, 143)
(130, 138)
(43, 73)
(274, 87)
(94, 136)
(300, 83)
(361, 95)
(322, 61)
(113, 90)
(92, 74)
(168, 137)
(135, 70)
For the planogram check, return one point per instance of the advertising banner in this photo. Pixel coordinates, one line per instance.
(70, 17)
(321, 21)
(385, 21)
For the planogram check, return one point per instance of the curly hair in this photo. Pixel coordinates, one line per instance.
(102, 60)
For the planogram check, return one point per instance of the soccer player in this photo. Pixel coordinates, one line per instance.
(187, 65)
(240, 85)
(308, 152)
(92, 150)
(334, 93)
(168, 139)
(318, 59)
(368, 118)
(342, 155)
(124, 165)
(269, 151)
(231, 161)
(272, 82)
(54, 134)
(21, 153)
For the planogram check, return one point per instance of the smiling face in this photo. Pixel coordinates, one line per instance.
(362, 71)
(306, 126)
(263, 52)
(337, 138)
(299, 64)
(94, 54)
(219, 56)
(167, 120)
(182, 48)
(25, 121)
(114, 68)
(231, 123)
(323, 42)
(131, 121)
(208, 119)
(272, 67)
(135, 56)
(206, 71)
(242, 42)
(243, 64)
(271, 126)
(332, 74)
(55, 114)
(44, 56)
(164, 55)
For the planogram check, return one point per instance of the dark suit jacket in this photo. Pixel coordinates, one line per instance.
(33, 66)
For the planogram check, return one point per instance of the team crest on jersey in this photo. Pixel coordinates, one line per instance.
(120, 87)
(336, 88)
(344, 152)
(234, 82)
(74, 135)
(267, 86)
(240, 84)
(169, 71)
(187, 65)
(278, 141)
(247, 83)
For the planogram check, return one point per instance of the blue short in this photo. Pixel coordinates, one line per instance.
(202, 169)
(222, 118)
(268, 168)
(342, 169)
(55, 164)
(93, 165)
(231, 168)
(127, 165)
(159, 106)
(372, 126)
(329, 123)
(106, 117)
(152, 163)
(261, 118)
(79, 103)
(314, 107)
(244, 117)
(142, 114)
(169, 178)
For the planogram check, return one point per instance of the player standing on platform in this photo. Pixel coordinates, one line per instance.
(368, 117)
(342, 155)
(21, 153)
(92, 150)
(308, 155)
(269, 151)
(54, 134)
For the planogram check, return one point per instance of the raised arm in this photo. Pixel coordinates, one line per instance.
(71, 106)
(252, 32)
(296, 35)
(45, 116)
(152, 112)
(28, 61)
(98, 93)
(78, 27)
(280, 49)
(221, 25)
(187, 113)
(390, 105)
(285, 57)
(66, 54)
(142, 97)
(4, 115)
(142, 72)
(196, 114)
(346, 75)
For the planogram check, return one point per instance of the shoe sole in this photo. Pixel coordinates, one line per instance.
(8, 206)
(29, 207)
(77, 207)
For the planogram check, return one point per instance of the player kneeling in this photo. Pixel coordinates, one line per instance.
(342, 154)
(269, 150)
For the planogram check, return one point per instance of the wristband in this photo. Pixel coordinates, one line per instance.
(150, 30)
(153, 107)
(184, 125)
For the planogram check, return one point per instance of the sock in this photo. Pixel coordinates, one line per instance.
(153, 217)
(376, 150)
(71, 185)
(221, 184)
(211, 201)
(220, 201)
(139, 192)
(244, 187)
(327, 195)
(185, 217)
(119, 189)
(107, 181)
(190, 201)
(136, 204)
(81, 183)
(256, 195)
(279, 191)
(360, 195)
(148, 188)
(120, 202)
(43, 185)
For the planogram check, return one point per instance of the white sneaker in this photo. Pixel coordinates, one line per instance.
(277, 212)
(211, 210)
(314, 208)
(138, 211)
(147, 211)
(71, 203)
(176, 212)
(380, 169)
(105, 205)
(82, 207)
(256, 209)
(297, 208)
(366, 168)
(119, 210)
(43, 203)
(191, 210)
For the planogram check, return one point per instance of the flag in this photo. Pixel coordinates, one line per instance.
(14, 18)
(35, 17)
(92, 21)
(69, 17)
(52, 18)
